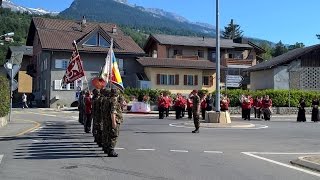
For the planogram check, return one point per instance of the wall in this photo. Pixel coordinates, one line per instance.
(281, 77)
(181, 88)
(262, 80)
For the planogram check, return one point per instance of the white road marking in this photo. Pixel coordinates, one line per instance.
(35, 140)
(35, 130)
(214, 152)
(119, 148)
(51, 115)
(179, 151)
(1, 156)
(283, 153)
(240, 128)
(282, 164)
(145, 149)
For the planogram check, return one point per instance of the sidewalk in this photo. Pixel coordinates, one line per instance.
(18, 128)
(310, 162)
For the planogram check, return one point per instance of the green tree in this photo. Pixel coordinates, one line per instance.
(279, 49)
(232, 31)
(318, 36)
(295, 46)
(268, 48)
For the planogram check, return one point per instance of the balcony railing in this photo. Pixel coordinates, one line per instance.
(239, 62)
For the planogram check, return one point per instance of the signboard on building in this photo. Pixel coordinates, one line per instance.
(234, 81)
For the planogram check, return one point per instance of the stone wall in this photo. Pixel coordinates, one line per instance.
(3, 121)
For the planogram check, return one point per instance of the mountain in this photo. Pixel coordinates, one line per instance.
(17, 8)
(137, 17)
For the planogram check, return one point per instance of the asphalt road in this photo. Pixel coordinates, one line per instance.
(151, 149)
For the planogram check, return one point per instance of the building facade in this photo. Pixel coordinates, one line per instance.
(296, 69)
(52, 48)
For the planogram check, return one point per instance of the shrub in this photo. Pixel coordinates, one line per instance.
(4, 96)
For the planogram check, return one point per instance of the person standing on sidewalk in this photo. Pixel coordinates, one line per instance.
(168, 104)
(247, 104)
(88, 112)
(196, 111)
(189, 106)
(224, 103)
(315, 110)
(177, 106)
(302, 112)
(203, 107)
(266, 105)
(24, 101)
(161, 106)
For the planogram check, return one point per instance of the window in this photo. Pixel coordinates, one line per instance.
(61, 63)
(190, 80)
(230, 56)
(177, 52)
(171, 80)
(213, 56)
(59, 86)
(163, 79)
(154, 54)
(201, 53)
(45, 65)
(72, 86)
(238, 55)
(97, 40)
(205, 80)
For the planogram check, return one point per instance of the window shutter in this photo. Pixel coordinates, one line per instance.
(211, 81)
(176, 81)
(196, 80)
(185, 80)
(158, 79)
(57, 85)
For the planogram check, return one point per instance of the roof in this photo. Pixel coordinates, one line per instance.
(57, 34)
(27, 50)
(196, 41)
(176, 63)
(284, 58)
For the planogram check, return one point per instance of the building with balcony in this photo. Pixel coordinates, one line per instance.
(181, 63)
(52, 48)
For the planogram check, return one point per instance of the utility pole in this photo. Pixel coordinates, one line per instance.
(217, 58)
(11, 84)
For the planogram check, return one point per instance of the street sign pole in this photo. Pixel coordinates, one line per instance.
(217, 58)
(11, 94)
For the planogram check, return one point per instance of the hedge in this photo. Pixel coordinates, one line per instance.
(4, 96)
(280, 98)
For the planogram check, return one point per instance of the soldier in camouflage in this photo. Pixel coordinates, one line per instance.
(105, 115)
(116, 106)
(96, 109)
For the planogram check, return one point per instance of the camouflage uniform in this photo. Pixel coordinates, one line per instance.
(105, 119)
(196, 111)
(115, 107)
(97, 117)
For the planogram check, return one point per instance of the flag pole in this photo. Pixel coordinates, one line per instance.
(110, 70)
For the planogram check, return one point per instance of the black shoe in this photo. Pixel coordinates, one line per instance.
(196, 131)
(112, 153)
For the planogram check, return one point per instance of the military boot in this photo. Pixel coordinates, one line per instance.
(112, 153)
(196, 131)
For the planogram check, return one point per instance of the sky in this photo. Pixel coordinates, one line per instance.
(290, 21)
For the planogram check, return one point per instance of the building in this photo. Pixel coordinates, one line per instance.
(180, 63)
(52, 48)
(296, 69)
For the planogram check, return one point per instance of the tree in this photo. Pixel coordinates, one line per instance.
(279, 49)
(295, 46)
(318, 36)
(268, 48)
(232, 31)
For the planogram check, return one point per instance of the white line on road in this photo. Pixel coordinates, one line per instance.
(119, 148)
(145, 149)
(214, 152)
(1, 156)
(283, 153)
(51, 115)
(282, 164)
(179, 151)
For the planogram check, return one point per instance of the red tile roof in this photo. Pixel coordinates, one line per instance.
(59, 34)
(177, 63)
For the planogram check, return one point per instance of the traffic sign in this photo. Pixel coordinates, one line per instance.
(15, 69)
(14, 85)
(234, 78)
(232, 84)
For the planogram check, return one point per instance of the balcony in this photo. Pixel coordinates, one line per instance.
(239, 62)
(186, 57)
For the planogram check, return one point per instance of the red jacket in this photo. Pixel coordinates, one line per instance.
(88, 104)
(258, 104)
(203, 104)
(266, 103)
(189, 103)
(168, 102)
(161, 102)
(246, 105)
(224, 105)
(183, 102)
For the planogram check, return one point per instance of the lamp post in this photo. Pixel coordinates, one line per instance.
(217, 58)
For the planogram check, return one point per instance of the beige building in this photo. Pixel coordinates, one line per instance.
(179, 75)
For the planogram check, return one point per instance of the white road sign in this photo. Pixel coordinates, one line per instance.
(231, 84)
(234, 79)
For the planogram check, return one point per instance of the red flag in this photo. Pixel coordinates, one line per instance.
(74, 70)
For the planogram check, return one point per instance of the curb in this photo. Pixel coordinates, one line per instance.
(305, 163)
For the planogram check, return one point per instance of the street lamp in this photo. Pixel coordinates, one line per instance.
(217, 58)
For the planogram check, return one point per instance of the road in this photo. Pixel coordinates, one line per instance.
(150, 148)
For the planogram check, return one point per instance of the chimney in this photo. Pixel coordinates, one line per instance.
(114, 29)
(202, 38)
(84, 21)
